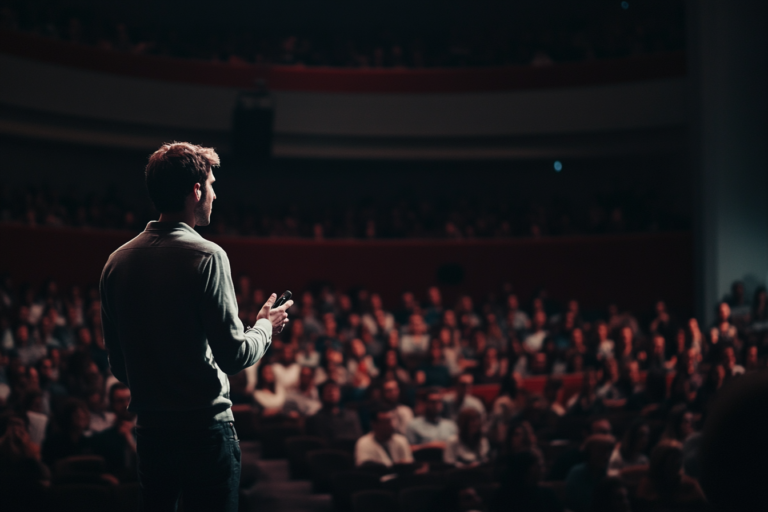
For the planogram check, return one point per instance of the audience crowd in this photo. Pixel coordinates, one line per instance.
(481, 218)
(593, 32)
(413, 388)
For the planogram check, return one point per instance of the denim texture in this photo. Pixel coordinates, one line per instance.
(199, 468)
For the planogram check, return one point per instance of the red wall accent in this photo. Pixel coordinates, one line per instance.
(633, 270)
(340, 80)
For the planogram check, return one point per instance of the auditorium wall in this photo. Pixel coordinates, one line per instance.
(631, 270)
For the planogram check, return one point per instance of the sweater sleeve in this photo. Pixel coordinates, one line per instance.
(111, 337)
(232, 348)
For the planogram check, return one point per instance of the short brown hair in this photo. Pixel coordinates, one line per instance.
(173, 170)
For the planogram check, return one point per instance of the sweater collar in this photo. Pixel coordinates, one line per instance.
(155, 225)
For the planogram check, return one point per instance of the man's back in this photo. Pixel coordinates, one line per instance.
(171, 325)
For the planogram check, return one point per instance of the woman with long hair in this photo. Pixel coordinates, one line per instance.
(470, 447)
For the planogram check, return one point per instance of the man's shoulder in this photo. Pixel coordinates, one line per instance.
(182, 240)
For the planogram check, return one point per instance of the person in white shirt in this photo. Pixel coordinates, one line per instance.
(462, 399)
(469, 447)
(268, 394)
(534, 342)
(415, 339)
(383, 445)
(390, 395)
(287, 370)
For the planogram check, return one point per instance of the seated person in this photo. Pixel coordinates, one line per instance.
(287, 370)
(583, 478)
(666, 486)
(68, 438)
(431, 430)
(470, 447)
(462, 399)
(304, 401)
(332, 422)
(268, 394)
(383, 445)
(117, 444)
(629, 452)
(435, 371)
(390, 397)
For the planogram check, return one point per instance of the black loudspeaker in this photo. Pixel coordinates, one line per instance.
(252, 124)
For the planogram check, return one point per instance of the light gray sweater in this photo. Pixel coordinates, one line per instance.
(171, 328)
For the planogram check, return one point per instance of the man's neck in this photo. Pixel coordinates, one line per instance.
(184, 216)
(380, 440)
(432, 418)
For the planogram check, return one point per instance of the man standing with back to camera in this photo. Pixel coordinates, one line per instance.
(171, 328)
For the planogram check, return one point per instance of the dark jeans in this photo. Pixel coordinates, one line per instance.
(201, 466)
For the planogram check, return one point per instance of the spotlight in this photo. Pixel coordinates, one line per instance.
(558, 166)
(625, 5)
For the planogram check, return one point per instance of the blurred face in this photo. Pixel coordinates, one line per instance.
(658, 345)
(474, 424)
(375, 301)
(641, 441)
(445, 337)
(306, 377)
(433, 406)
(539, 319)
(602, 332)
(267, 374)
(434, 296)
(84, 336)
(46, 369)
(449, 318)
(466, 303)
(512, 302)
(391, 359)
(686, 425)
(601, 427)
(121, 399)
(417, 324)
(391, 391)
(626, 338)
(577, 337)
(464, 385)
(730, 357)
(724, 311)
(331, 395)
(22, 335)
(81, 419)
(204, 206)
(358, 348)
(288, 355)
(384, 425)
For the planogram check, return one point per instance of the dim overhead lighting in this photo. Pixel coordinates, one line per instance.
(558, 166)
(625, 5)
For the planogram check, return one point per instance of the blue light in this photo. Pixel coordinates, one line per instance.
(558, 166)
(625, 5)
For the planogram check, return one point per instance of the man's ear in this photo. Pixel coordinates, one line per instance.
(198, 193)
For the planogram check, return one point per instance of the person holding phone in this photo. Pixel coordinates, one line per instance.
(172, 331)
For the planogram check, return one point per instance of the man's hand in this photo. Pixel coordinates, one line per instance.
(278, 316)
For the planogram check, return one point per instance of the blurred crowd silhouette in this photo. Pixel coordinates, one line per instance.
(404, 396)
(560, 34)
(381, 219)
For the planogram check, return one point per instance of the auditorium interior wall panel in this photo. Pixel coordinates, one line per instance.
(632, 270)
